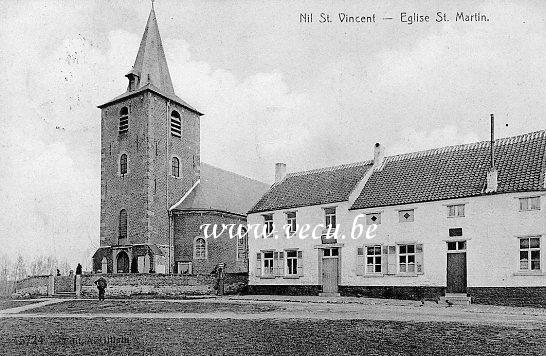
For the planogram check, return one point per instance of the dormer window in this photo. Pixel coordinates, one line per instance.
(330, 217)
(123, 120)
(176, 124)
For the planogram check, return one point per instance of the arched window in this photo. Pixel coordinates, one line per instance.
(176, 167)
(123, 120)
(122, 233)
(200, 248)
(123, 164)
(176, 124)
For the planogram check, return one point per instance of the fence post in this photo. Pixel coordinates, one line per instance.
(78, 285)
(51, 286)
(220, 277)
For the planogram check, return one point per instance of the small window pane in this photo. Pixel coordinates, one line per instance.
(411, 259)
(326, 252)
(402, 248)
(535, 242)
(268, 254)
(335, 252)
(377, 268)
(524, 243)
(451, 246)
(411, 248)
(535, 265)
(461, 245)
(360, 251)
(524, 255)
(411, 268)
(402, 268)
(524, 204)
(402, 259)
(370, 260)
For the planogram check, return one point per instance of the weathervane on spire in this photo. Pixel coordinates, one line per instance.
(153, 3)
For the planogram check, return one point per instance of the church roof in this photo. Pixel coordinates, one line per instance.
(315, 187)
(150, 70)
(221, 190)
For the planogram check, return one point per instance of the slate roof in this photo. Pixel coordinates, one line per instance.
(319, 186)
(457, 172)
(221, 190)
(151, 67)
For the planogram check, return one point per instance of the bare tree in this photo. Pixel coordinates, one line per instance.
(20, 269)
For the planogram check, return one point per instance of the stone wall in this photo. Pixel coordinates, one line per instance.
(280, 289)
(35, 286)
(150, 285)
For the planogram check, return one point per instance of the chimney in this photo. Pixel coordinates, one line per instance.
(280, 172)
(492, 175)
(378, 156)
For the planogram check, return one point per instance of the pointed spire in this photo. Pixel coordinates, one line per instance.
(151, 64)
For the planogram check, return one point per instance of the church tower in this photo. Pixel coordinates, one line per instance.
(149, 160)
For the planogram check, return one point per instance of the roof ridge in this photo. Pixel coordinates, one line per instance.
(472, 145)
(332, 168)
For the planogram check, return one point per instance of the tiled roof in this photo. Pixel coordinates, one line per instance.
(457, 171)
(222, 190)
(319, 186)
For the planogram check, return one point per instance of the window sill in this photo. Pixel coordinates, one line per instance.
(406, 275)
(529, 273)
(267, 277)
(455, 217)
(291, 277)
(370, 275)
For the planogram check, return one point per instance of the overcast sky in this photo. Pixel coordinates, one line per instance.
(272, 89)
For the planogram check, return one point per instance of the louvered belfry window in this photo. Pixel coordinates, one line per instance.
(176, 124)
(123, 120)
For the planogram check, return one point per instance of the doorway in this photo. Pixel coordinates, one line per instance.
(456, 267)
(330, 270)
(122, 262)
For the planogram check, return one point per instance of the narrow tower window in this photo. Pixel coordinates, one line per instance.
(176, 167)
(176, 124)
(123, 164)
(123, 120)
(122, 234)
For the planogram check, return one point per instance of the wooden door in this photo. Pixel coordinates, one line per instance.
(456, 272)
(329, 275)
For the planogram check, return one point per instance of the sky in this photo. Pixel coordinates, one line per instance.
(273, 89)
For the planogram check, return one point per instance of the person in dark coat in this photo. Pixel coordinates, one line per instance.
(101, 286)
(79, 269)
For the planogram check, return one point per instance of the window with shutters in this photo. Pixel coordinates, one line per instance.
(373, 259)
(530, 203)
(176, 124)
(267, 269)
(406, 215)
(200, 248)
(123, 164)
(529, 253)
(406, 258)
(455, 211)
(122, 227)
(373, 218)
(330, 218)
(175, 165)
(291, 222)
(242, 245)
(123, 120)
(268, 225)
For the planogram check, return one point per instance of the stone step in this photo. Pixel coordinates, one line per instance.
(329, 294)
(455, 299)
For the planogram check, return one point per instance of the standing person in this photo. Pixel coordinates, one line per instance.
(101, 286)
(79, 269)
